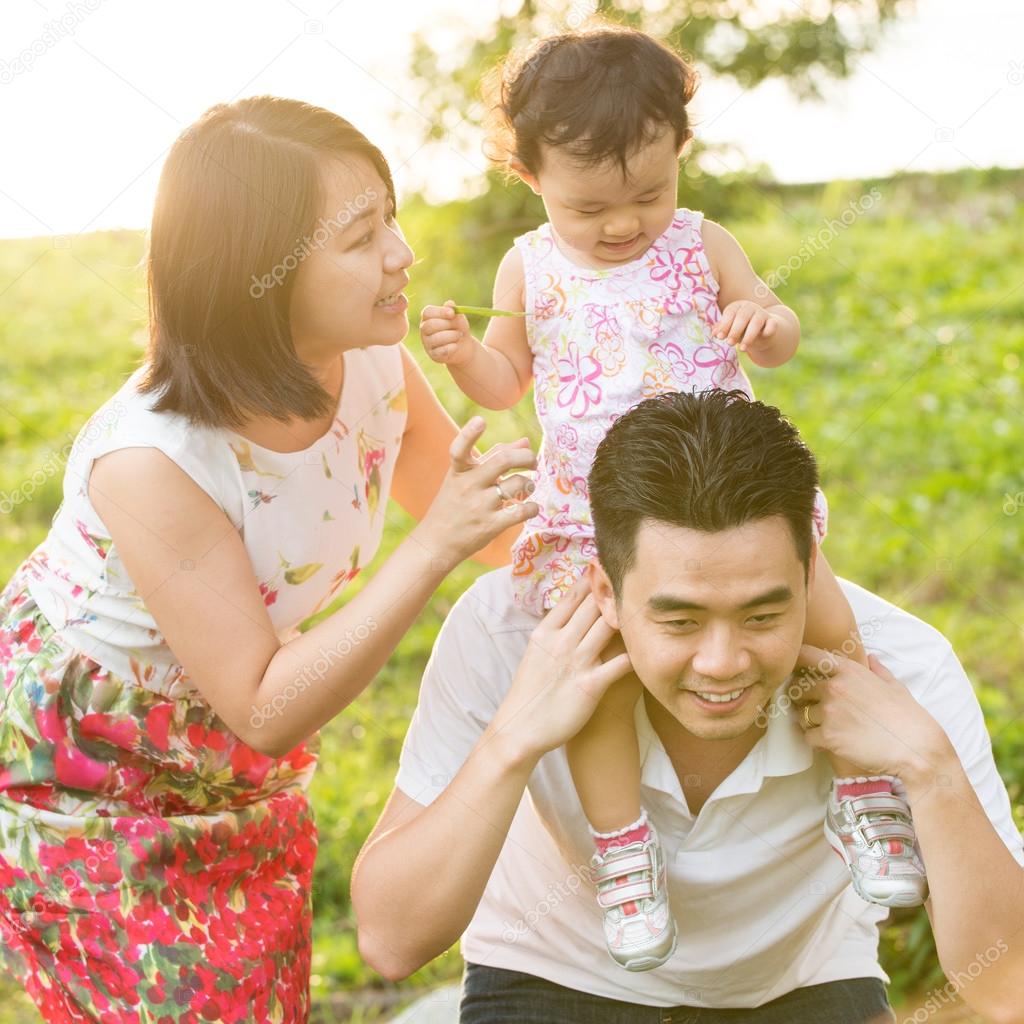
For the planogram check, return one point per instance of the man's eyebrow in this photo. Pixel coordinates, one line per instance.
(576, 201)
(668, 603)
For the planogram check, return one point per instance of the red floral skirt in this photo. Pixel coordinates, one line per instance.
(153, 868)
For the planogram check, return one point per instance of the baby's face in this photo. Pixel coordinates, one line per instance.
(601, 219)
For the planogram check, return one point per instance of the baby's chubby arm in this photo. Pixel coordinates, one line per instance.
(753, 317)
(498, 372)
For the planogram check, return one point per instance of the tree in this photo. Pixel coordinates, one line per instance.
(804, 42)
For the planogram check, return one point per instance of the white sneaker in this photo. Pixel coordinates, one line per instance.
(639, 929)
(874, 835)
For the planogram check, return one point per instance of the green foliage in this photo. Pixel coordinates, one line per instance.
(907, 386)
(802, 46)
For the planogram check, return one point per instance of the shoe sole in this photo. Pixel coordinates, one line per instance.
(895, 900)
(648, 963)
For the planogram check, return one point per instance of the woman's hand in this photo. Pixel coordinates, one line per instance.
(561, 678)
(474, 503)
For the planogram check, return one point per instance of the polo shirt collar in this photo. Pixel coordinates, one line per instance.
(781, 750)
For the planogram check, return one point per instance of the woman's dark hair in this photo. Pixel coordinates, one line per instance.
(599, 93)
(239, 194)
(708, 461)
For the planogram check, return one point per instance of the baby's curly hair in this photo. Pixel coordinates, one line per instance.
(599, 93)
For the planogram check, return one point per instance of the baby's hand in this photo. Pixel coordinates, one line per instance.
(745, 322)
(446, 335)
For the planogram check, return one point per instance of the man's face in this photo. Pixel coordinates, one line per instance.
(710, 613)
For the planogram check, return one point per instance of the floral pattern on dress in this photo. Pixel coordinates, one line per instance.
(153, 866)
(602, 341)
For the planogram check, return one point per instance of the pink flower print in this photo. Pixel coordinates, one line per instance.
(269, 596)
(550, 298)
(577, 374)
(669, 266)
(693, 269)
(671, 356)
(371, 458)
(721, 361)
(98, 544)
(608, 348)
(567, 439)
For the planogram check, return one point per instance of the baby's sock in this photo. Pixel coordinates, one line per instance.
(862, 785)
(639, 831)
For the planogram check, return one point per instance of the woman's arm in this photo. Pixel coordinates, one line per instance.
(190, 566)
(423, 459)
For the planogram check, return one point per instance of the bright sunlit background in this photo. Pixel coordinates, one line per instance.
(907, 384)
(93, 92)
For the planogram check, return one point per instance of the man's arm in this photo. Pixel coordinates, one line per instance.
(976, 886)
(420, 875)
(976, 901)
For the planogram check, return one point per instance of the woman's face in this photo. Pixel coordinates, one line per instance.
(355, 258)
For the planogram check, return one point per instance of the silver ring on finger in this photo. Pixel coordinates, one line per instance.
(501, 494)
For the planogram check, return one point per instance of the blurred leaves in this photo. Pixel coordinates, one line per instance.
(804, 44)
(907, 386)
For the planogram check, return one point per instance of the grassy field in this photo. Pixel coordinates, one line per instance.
(907, 386)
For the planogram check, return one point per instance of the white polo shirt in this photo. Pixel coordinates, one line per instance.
(763, 904)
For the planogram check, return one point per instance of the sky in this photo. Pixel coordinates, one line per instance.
(93, 93)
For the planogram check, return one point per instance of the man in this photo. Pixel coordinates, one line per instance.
(705, 559)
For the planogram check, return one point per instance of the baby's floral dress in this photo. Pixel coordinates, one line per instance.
(602, 341)
(153, 867)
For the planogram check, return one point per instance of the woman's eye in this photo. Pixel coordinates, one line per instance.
(647, 202)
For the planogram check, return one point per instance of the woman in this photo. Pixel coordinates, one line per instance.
(164, 680)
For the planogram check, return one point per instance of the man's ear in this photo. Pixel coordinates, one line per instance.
(519, 169)
(601, 588)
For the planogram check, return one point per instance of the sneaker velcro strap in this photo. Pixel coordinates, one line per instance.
(879, 802)
(873, 830)
(623, 866)
(628, 893)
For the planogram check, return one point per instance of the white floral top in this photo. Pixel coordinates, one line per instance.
(310, 520)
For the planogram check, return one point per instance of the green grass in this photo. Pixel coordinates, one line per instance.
(907, 386)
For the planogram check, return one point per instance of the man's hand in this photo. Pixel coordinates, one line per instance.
(867, 716)
(744, 322)
(561, 677)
